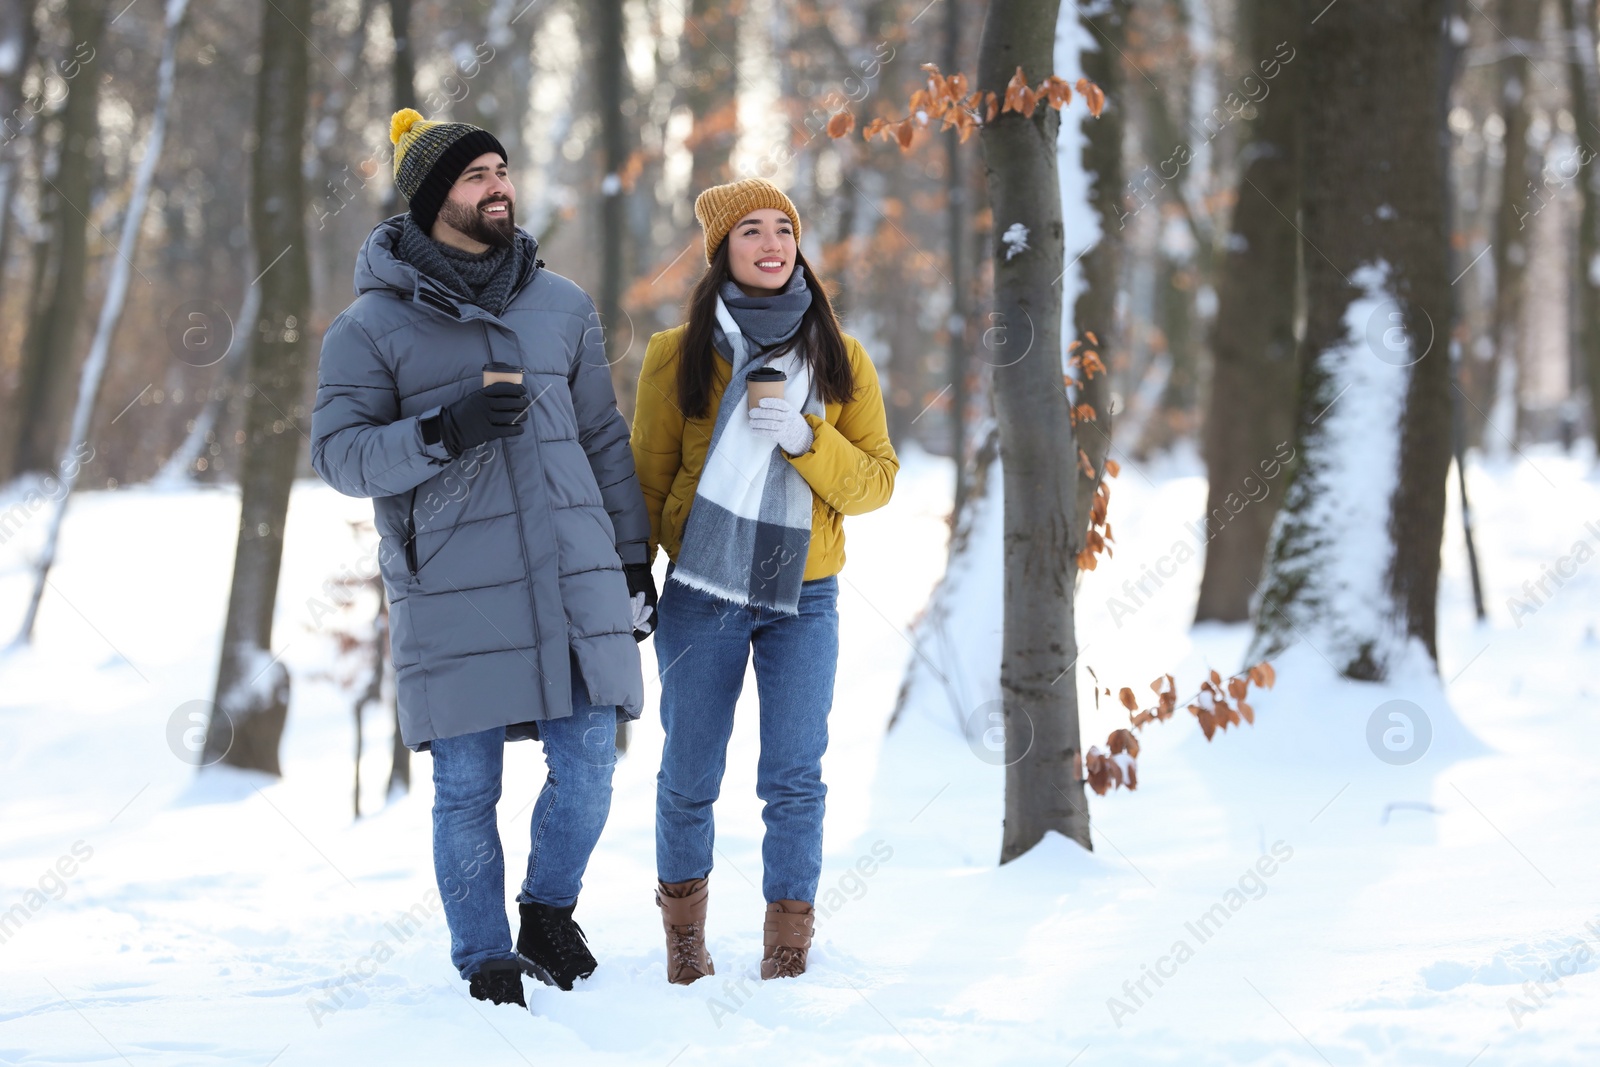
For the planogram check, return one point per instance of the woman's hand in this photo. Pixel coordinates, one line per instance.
(775, 420)
(641, 598)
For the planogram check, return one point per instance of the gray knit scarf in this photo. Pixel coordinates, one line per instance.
(749, 527)
(765, 321)
(483, 278)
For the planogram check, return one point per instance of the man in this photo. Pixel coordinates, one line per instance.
(513, 534)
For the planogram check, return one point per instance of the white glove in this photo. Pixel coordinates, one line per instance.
(641, 613)
(775, 420)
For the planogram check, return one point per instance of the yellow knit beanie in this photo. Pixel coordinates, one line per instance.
(430, 156)
(720, 207)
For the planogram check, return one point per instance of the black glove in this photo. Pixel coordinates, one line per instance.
(640, 580)
(493, 411)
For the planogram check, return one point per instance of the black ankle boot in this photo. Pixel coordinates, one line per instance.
(552, 947)
(498, 981)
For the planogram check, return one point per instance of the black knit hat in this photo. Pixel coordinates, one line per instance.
(430, 156)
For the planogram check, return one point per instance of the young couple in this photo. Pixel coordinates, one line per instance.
(519, 522)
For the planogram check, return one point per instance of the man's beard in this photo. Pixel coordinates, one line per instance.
(471, 221)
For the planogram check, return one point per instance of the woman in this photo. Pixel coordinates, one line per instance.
(748, 503)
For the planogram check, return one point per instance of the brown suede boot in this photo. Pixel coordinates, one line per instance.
(786, 938)
(683, 913)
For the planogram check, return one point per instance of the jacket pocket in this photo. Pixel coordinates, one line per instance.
(411, 535)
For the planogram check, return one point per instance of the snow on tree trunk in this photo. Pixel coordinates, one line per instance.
(94, 367)
(252, 693)
(1353, 571)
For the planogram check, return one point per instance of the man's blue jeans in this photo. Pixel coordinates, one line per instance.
(702, 645)
(580, 752)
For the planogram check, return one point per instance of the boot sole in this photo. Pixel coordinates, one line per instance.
(537, 970)
(707, 973)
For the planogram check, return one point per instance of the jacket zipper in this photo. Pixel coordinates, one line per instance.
(440, 302)
(411, 534)
(516, 498)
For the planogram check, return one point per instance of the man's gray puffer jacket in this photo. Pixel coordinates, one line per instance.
(505, 565)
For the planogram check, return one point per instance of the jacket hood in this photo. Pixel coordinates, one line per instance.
(378, 266)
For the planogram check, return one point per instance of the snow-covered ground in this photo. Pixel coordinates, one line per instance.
(1278, 896)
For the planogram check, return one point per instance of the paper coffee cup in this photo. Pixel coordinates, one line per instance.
(501, 372)
(765, 382)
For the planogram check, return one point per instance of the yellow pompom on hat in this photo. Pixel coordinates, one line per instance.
(720, 207)
(430, 156)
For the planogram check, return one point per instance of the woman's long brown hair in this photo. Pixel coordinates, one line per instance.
(819, 340)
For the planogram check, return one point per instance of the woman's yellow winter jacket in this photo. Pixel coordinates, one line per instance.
(850, 467)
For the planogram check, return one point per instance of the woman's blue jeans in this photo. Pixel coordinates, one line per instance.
(580, 752)
(702, 646)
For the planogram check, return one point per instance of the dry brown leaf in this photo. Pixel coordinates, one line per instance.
(1014, 90)
(1093, 95)
(1057, 91)
(1122, 741)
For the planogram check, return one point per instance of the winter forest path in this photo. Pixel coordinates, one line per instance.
(234, 920)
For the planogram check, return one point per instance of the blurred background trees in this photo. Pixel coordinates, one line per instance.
(618, 116)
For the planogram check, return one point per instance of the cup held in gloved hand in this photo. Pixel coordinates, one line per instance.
(501, 372)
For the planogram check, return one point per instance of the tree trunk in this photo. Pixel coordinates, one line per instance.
(1495, 395)
(1251, 411)
(1176, 270)
(252, 695)
(402, 84)
(1044, 787)
(611, 89)
(188, 459)
(1093, 323)
(507, 76)
(17, 42)
(94, 367)
(1355, 557)
(957, 355)
(708, 73)
(50, 352)
(1577, 18)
